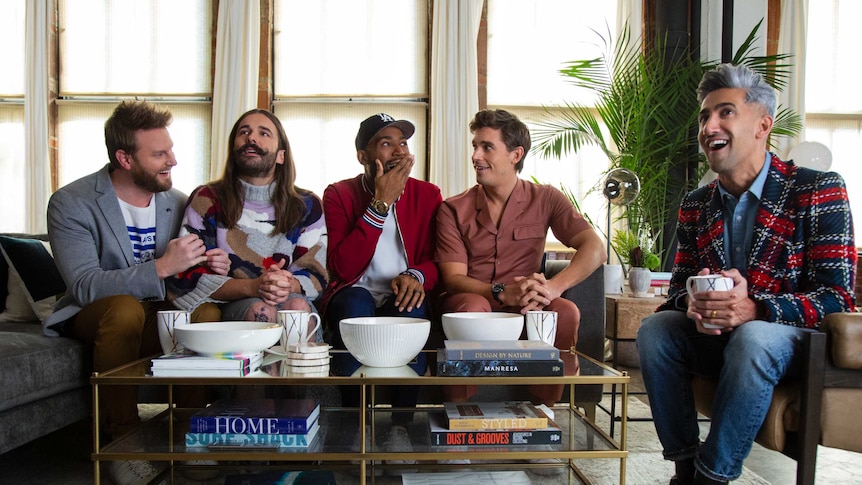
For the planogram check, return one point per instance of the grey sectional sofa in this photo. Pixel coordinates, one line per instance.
(44, 381)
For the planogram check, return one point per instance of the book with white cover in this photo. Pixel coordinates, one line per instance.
(195, 361)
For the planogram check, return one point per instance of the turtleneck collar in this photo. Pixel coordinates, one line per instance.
(261, 193)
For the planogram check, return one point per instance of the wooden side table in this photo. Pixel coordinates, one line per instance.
(623, 315)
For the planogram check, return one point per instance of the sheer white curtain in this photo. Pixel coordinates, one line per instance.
(236, 73)
(454, 80)
(38, 176)
(792, 38)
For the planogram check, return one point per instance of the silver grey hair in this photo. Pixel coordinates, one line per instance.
(732, 76)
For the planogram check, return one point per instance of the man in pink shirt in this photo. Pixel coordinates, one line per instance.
(491, 240)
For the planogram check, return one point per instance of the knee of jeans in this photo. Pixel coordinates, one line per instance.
(260, 312)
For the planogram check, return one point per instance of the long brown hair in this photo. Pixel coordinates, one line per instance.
(287, 198)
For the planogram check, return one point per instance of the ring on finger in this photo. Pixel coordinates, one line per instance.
(714, 314)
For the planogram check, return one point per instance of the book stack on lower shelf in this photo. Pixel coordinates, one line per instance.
(510, 423)
(282, 424)
(195, 365)
(476, 358)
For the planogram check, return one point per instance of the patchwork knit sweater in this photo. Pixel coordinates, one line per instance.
(251, 245)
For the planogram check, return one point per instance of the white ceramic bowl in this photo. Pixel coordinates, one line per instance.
(384, 341)
(228, 337)
(483, 325)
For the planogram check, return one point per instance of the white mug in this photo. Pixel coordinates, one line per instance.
(294, 327)
(709, 282)
(613, 279)
(542, 325)
(168, 321)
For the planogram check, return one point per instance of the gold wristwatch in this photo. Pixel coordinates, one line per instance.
(379, 206)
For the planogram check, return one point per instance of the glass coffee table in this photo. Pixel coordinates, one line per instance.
(162, 438)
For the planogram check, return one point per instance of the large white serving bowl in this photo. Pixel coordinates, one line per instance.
(228, 337)
(384, 341)
(483, 325)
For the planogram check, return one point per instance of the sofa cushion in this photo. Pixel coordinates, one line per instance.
(31, 267)
(35, 366)
(845, 331)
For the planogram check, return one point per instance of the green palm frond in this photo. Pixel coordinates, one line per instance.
(645, 119)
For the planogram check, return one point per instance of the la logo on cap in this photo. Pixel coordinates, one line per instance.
(386, 118)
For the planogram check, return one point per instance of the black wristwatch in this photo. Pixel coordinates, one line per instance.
(496, 289)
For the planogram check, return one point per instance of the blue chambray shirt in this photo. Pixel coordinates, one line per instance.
(739, 215)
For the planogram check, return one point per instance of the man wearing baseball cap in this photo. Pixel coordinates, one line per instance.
(381, 228)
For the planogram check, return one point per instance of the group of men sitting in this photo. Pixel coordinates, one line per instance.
(382, 244)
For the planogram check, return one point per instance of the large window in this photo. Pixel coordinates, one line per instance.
(528, 42)
(12, 137)
(832, 102)
(111, 50)
(338, 62)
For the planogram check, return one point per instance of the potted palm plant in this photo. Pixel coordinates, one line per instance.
(645, 120)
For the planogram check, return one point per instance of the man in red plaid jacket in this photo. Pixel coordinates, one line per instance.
(784, 235)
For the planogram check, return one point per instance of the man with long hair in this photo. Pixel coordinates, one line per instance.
(112, 234)
(273, 232)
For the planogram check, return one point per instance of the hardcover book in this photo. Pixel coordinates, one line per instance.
(498, 368)
(499, 350)
(442, 436)
(506, 415)
(204, 372)
(250, 440)
(256, 416)
(195, 361)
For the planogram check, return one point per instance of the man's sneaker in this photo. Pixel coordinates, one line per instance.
(355, 448)
(133, 472)
(461, 461)
(398, 441)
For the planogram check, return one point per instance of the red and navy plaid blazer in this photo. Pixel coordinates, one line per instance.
(802, 263)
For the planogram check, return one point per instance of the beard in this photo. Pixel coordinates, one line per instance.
(251, 166)
(149, 181)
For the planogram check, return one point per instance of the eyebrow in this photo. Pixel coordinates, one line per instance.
(718, 106)
(261, 127)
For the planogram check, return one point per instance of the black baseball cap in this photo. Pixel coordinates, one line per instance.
(373, 124)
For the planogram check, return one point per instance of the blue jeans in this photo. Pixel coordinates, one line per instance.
(748, 362)
(357, 302)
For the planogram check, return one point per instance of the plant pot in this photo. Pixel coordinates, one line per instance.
(639, 282)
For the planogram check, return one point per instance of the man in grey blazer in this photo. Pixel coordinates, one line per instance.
(112, 234)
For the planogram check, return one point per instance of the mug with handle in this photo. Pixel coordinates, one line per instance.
(710, 282)
(294, 327)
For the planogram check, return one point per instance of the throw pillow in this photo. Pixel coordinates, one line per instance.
(32, 272)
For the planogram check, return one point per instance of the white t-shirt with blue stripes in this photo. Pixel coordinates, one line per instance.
(141, 224)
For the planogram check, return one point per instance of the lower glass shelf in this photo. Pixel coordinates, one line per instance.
(338, 438)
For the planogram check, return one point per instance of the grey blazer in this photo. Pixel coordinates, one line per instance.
(92, 249)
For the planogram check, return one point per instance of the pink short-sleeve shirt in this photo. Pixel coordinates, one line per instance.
(466, 234)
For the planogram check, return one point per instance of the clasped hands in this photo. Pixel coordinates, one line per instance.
(276, 284)
(531, 293)
(729, 309)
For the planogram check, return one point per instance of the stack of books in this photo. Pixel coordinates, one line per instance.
(308, 359)
(509, 423)
(282, 424)
(193, 365)
(468, 358)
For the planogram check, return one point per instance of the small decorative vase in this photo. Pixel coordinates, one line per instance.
(639, 282)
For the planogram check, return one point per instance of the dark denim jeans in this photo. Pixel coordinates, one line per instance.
(357, 302)
(748, 362)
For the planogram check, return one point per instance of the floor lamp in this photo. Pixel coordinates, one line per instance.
(621, 186)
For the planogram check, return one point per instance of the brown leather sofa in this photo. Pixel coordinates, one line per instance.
(823, 406)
